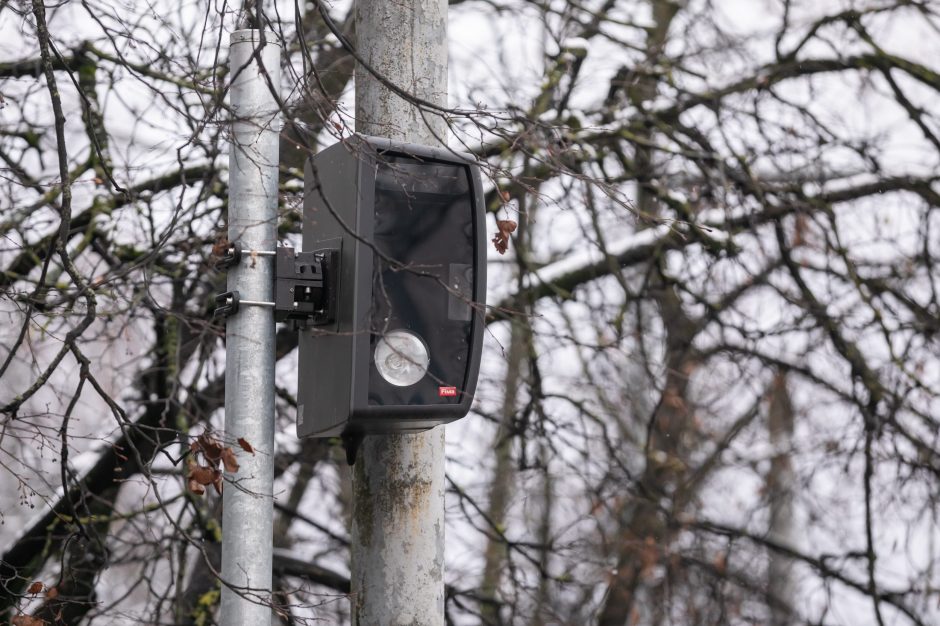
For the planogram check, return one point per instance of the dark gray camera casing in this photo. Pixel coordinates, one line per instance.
(336, 361)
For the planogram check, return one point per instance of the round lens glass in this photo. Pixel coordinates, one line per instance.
(402, 357)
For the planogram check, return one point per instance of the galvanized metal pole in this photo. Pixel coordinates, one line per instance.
(398, 483)
(247, 500)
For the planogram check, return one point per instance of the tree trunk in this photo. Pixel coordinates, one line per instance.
(644, 539)
(504, 474)
(781, 487)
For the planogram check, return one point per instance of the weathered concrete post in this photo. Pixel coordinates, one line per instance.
(398, 483)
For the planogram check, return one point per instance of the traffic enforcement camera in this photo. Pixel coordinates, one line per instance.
(401, 349)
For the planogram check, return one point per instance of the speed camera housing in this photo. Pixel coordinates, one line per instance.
(403, 351)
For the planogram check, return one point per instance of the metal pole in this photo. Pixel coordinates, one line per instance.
(398, 482)
(247, 500)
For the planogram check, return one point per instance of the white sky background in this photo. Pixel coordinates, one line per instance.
(852, 110)
(498, 61)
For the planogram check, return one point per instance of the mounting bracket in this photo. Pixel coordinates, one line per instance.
(305, 285)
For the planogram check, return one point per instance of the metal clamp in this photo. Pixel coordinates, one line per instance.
(304, 285)
(226, 304)
(230, 301)
(234, 253)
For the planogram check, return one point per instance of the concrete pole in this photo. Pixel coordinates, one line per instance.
(247, 500)
(398, 482)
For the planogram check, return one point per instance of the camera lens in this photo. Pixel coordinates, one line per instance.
(402, 357)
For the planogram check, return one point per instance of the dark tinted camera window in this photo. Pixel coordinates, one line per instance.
(422, 282)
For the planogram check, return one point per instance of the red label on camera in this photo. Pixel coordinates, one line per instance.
(447, 392)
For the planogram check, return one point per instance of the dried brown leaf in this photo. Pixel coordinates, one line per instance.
(196, 488)
(36, 587)
(210, 448)
(228, 460)
(52, 593)
(506, 226)
(220, 247)
(245, 445)
(203, 475)
(501, 238)
(27, 620)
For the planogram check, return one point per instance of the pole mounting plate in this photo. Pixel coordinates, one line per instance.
(305, 286)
